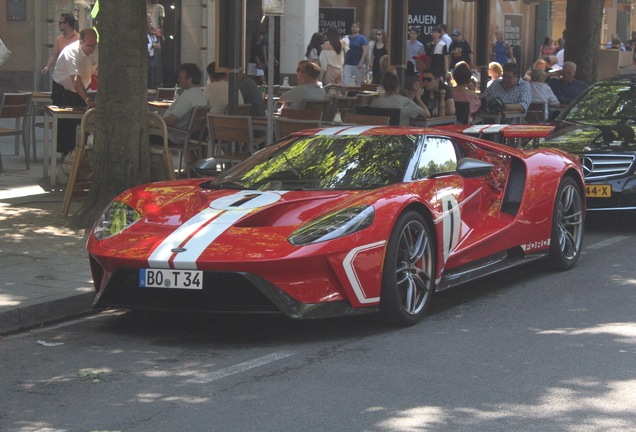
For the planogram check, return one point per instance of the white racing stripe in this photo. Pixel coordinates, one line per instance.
(241, 367)
(206, 226)
(358, 130)
(333, 130)
(203, 238)
(496, 128)
(160, 256)
(609, 241)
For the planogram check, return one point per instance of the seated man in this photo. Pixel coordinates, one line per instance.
(566, 88)
(217, 91)
(513, 91)
(433, 84)
(391, 99)
(308, 89)
(178, 114)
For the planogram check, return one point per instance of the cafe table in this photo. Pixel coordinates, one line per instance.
(497, 118)
(159, 107)
(433, 121)
(52, 114)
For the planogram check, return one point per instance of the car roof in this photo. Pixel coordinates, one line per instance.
(626, 79)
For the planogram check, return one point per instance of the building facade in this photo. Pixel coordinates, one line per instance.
(29, 29)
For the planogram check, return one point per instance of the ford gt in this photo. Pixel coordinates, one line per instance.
(339, 221)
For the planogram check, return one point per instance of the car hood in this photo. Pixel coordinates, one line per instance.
(212, 223)
(578, 138)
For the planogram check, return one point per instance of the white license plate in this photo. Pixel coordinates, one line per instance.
(170, 278)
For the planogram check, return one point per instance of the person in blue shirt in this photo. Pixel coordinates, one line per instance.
(354, 60)
(566, 88)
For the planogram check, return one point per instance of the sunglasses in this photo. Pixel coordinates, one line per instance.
(299, 70)
(63, 22)
(427, 79)
(91, 46)
(378, 34)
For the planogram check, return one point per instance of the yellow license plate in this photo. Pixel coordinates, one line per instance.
(598, 191)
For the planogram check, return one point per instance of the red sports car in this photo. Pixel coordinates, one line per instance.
(339, 221)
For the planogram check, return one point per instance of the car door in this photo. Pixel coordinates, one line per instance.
(462, 206)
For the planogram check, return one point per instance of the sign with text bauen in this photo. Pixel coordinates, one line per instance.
(513, 31)
(341, 17)
(424, 15)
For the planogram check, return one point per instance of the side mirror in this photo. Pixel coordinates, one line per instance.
(471, 168)
(205, 168)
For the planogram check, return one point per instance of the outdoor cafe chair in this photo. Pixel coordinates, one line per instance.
(160, 157)
(392, 113)
(323, 106)
(17, 106)
(286, 126)
(227, 132)
(366, 120)
(363, 99)
(535, 113)
(163, 163)
(343, 104)
(301, 114)
(77, 190)
(243, 109)
(192, 136)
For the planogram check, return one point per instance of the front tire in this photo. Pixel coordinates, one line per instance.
(567, 225)
(408, 276)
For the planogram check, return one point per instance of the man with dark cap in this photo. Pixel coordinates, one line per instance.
(460, 50)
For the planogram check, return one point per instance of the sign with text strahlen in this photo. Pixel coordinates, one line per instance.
(341, 17)
(513, 31)
(424, 15)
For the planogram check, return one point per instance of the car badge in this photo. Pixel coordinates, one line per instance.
(177, 250)
(587, 165)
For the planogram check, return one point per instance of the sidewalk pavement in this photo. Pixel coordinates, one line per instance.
(44, 270)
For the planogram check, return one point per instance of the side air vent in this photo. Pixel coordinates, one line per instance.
(514, 188)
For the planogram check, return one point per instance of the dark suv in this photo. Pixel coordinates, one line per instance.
(600, 126)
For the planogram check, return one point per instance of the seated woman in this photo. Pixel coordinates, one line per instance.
(541, 92)
(391, 99)
(462, 92)
(495, 71)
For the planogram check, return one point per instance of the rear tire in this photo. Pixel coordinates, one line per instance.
(408, 276)
(567, 226)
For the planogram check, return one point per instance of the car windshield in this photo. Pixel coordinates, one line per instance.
(605, 104)
(324, 163)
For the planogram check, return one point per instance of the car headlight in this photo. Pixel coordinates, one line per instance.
(117, 217)
(334, 225)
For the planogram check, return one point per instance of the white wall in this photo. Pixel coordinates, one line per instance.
(297, 25)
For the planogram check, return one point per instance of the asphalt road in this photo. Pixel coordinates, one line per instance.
(526, 350)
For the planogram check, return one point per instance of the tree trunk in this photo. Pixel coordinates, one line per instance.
(121, 149)
(582, 37)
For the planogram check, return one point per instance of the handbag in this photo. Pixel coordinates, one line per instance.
(4, 53)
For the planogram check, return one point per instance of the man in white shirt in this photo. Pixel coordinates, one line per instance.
(217, 91)
(71, 78)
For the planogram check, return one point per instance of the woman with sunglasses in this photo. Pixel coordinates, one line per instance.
(379, 49)
(433, 85)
